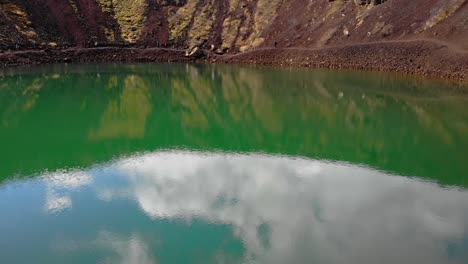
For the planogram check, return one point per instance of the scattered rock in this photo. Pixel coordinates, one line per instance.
(221, 51)
(195, 53)
(368, 2)
(346, 32)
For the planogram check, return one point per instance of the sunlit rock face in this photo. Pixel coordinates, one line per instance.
(228, 25)
(294, 210)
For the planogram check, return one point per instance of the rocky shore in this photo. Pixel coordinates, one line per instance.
(420, 57)
(426, 58)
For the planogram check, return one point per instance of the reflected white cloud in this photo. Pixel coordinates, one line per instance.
(68, 180)
(317, 211)
(131, 250)
(108, 193)
(56, 203)
(120, 249)
(291, 210)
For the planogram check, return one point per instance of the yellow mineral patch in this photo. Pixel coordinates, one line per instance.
(443, 12)
(129, 14)
(230, 29)
(230, 25)
(22, 22)
(362, 13)
(14, 10)
(241, 27)
(74, 6)
(264, 15)
(106, 5)
(109, 33)
(266, 12)
(334, 7)
(233, 5)
(243, 39)
(202, 25)
(179, 22)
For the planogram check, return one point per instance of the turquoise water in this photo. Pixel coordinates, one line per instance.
(220, 164)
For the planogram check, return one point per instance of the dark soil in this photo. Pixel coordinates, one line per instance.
(421, 57)
(79, 55)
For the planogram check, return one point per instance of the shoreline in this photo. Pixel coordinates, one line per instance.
(418, 57)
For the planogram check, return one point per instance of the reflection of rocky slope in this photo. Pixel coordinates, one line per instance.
(318, 116)
(230, 24)
(407, 126)
(125, 117)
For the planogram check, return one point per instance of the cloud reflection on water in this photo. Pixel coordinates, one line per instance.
(294, 210)
(131, 250)
(63, 180)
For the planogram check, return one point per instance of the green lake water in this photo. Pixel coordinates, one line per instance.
(175, 163)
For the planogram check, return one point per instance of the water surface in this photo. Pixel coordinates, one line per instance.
(210, 164)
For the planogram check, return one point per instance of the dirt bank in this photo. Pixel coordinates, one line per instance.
(433, 59)
(83, 55)
(421, 57)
